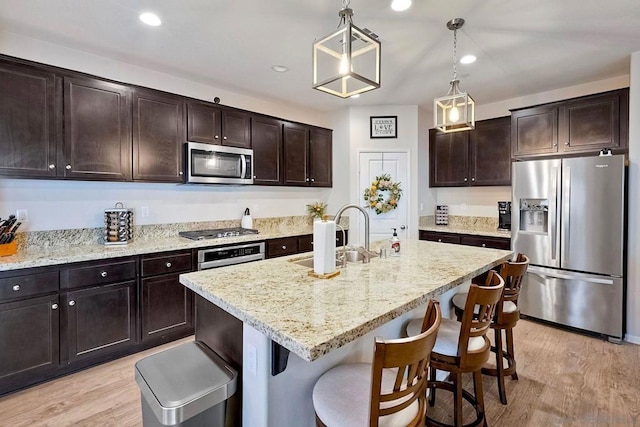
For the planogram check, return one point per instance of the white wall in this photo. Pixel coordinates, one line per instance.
(482, 201)
(74, 204)
(633, 257)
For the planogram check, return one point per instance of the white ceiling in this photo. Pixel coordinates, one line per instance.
(523, 47)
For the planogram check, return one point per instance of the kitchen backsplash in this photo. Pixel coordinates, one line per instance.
(475, 223)
(91, 236)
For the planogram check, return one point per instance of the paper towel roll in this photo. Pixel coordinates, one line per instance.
(324, 247)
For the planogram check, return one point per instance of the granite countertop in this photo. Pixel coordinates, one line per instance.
(40, 257)
(465, 230)
(311, 317)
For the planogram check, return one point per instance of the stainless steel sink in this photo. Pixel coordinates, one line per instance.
(352, 255)
(308, 262)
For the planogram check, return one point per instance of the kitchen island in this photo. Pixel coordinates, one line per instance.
(325, 322)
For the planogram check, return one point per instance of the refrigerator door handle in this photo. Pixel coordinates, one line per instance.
(547, 275)
(555, 177)
(566, 211)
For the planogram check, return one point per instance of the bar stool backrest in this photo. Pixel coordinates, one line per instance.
(409, 358)
(513, 273)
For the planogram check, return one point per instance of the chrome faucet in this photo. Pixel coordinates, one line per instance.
(366, 224)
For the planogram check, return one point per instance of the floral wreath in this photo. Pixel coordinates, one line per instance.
(375, 197)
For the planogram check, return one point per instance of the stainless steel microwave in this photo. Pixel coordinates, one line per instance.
(217, 164)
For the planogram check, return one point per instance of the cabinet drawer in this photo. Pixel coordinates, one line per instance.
(282, 247)
(99, 274)
(486, 242)
(434, 236)
(28, 285)
(305, 243)
(166, 263)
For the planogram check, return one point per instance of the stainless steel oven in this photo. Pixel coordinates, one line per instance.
(218, 164)
(230, 255)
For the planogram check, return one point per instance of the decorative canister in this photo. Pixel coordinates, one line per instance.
(442, 215)
(118, 225)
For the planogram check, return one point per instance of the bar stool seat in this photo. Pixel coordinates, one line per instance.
(389, 392)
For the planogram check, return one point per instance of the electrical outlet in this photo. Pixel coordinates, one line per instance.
(144, 211)
(22, 215)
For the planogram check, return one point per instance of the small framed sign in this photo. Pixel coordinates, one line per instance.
(384, 126)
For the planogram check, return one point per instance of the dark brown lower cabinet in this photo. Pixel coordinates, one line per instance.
(167, 307)
(466, 239)
(99, 320)
(28, 338)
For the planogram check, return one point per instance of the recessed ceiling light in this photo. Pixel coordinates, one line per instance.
(400, 5)
(150, 19)
(357, 95)
(468, 59)
(280, 68)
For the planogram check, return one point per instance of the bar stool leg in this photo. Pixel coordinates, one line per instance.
(457, 398)
(500, 366)
(477, 389)
(432, 388)
(512, 356)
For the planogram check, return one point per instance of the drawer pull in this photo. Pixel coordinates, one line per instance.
(52, 166)
(16, 288)
(284, 246)
(72, 303)
(168, 265)
(440, 240)
(104, 274)
(484, 245)
(68, 167)
(54, 306)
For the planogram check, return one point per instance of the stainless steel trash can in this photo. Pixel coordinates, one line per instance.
(187, 385)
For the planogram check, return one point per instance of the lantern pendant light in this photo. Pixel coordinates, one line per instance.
(455, 111)
(347, 61)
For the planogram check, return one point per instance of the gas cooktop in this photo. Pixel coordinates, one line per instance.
(217, 233)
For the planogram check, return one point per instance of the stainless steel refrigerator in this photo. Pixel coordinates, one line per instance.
(568, 217)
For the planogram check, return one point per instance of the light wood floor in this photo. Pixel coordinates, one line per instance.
(566, 379)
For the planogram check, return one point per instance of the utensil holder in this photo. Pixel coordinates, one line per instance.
(9, 249)
(118, 225)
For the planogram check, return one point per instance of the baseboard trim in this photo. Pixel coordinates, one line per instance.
(632, 339)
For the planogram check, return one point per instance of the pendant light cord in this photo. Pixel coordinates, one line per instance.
(455, 58)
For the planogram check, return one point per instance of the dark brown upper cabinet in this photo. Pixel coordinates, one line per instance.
(479, 157)
(158, 136)
(217, 125)
(320, 158)
(582, 125)
(27, 121)
(307, 155)
(266, 140)
(97, 130)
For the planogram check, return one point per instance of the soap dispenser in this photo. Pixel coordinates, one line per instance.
(394, 243)
(247, 221)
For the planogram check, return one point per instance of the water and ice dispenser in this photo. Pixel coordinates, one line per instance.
(534, 215)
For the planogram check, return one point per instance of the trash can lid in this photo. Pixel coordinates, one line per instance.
(189, 374)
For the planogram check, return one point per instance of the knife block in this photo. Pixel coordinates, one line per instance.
(118, 225)
(9, 249)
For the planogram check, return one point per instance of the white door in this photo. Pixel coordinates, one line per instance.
(372, 165)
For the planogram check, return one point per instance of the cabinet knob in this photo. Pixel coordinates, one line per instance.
(168, 265)
(555, 144)
(72, 303)
(566, 143)
(440, 240)
(307, 179)
(255, 177)
(313, 180)
(402, 227)
(484, 245)
(68, 167)
(52, 166)
(180, 173)
(16, 288)
(473, 180)
(54, 306)
(104, 274)
(465, 180)
(216, 137)
(224, 137)
(284, 247)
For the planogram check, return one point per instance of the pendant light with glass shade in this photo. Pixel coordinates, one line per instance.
(455, 111)
(347, 61)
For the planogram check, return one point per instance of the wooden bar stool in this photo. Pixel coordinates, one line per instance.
(463, 347)
(507, 316)
(389, 392)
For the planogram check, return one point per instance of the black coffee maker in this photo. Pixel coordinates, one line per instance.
(504, 216)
